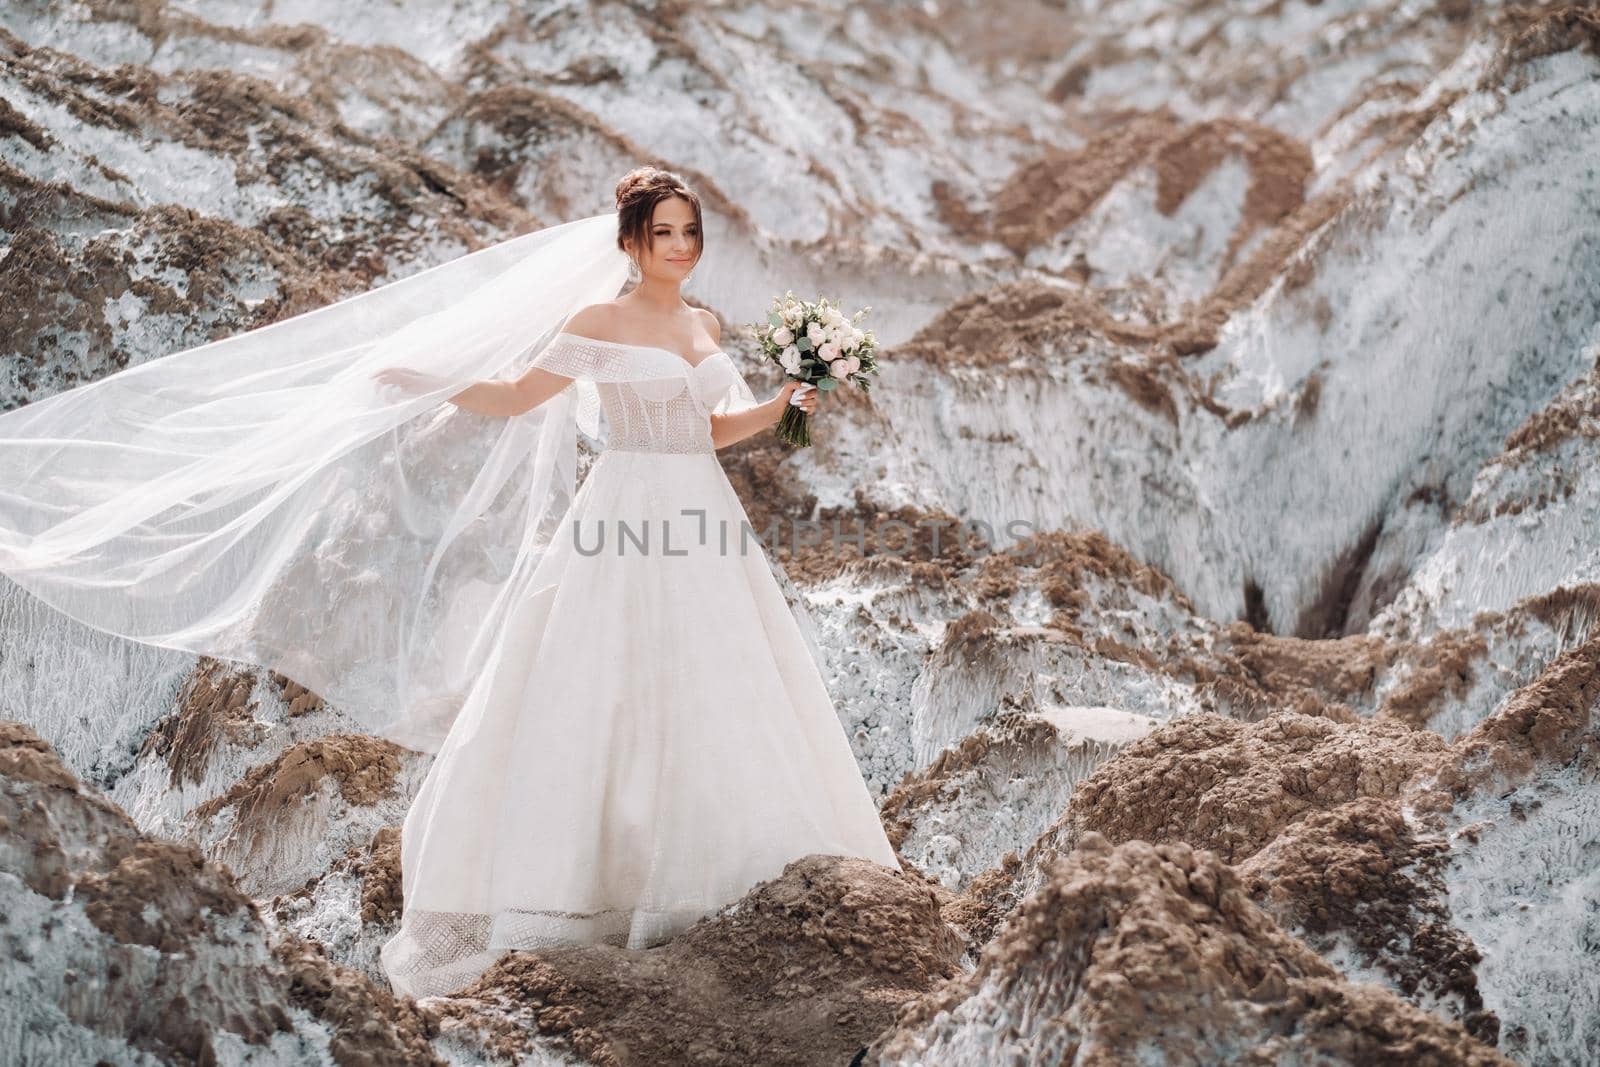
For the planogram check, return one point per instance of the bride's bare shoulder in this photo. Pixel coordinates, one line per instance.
(596, 321)
(713, 324)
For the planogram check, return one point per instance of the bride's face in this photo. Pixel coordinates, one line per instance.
(676, 237)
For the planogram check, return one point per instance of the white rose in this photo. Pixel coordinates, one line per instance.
(790, 358)
(855, 363)
(782, 336)
(839, 368)
(816, 333)
(828, 352)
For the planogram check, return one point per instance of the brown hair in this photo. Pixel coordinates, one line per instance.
(638, 193)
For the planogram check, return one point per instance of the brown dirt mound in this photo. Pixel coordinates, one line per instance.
(1216, 783)
(1280, 169)
(371, 1027)
(1536, 30)
(214, 706)
(364, 768)
(1324, 677)
(1310, 810)
(1051, 193)
(807, 969)
(78, 850)
(1045, 196)
(301, 700)
(1573, 413)
(381, 895)
(1550, 722)
(1139, 948)
(1066, 559)
(1360, 873)
(1014, 321)
(1445, 665)
(1011, 740)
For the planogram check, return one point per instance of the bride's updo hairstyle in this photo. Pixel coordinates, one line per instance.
(638, 193)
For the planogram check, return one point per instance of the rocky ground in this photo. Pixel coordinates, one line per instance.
(1262, 340)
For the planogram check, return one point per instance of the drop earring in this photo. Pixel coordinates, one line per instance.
(633, 270)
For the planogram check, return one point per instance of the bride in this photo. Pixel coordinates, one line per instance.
(627, 726)
(651, 737)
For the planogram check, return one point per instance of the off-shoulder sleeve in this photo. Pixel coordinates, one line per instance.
(729, 390)
(584, 363)
(587, 359)
(575, 357)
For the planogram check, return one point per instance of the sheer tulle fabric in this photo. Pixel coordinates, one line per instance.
(650, 736)
(259, 499)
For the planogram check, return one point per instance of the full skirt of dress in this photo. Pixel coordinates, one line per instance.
(649, 739)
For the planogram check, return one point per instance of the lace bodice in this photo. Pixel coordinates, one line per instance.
(662, 415)
(653, 399)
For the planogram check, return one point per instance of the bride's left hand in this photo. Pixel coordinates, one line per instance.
(802, 395)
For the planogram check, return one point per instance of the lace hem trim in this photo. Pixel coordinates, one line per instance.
(439, 952)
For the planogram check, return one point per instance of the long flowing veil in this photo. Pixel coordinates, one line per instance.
(259, 498)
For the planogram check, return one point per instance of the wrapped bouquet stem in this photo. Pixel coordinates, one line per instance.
(816, 343)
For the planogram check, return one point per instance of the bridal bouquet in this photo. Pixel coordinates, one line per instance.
(815, 343)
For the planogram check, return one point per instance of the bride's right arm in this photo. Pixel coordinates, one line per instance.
(538, 383)
(496, 396)
(500, 396)
(511, 397)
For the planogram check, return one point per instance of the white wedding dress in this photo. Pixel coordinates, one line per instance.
(649, 736)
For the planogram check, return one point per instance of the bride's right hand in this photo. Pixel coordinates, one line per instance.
(410, 382)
